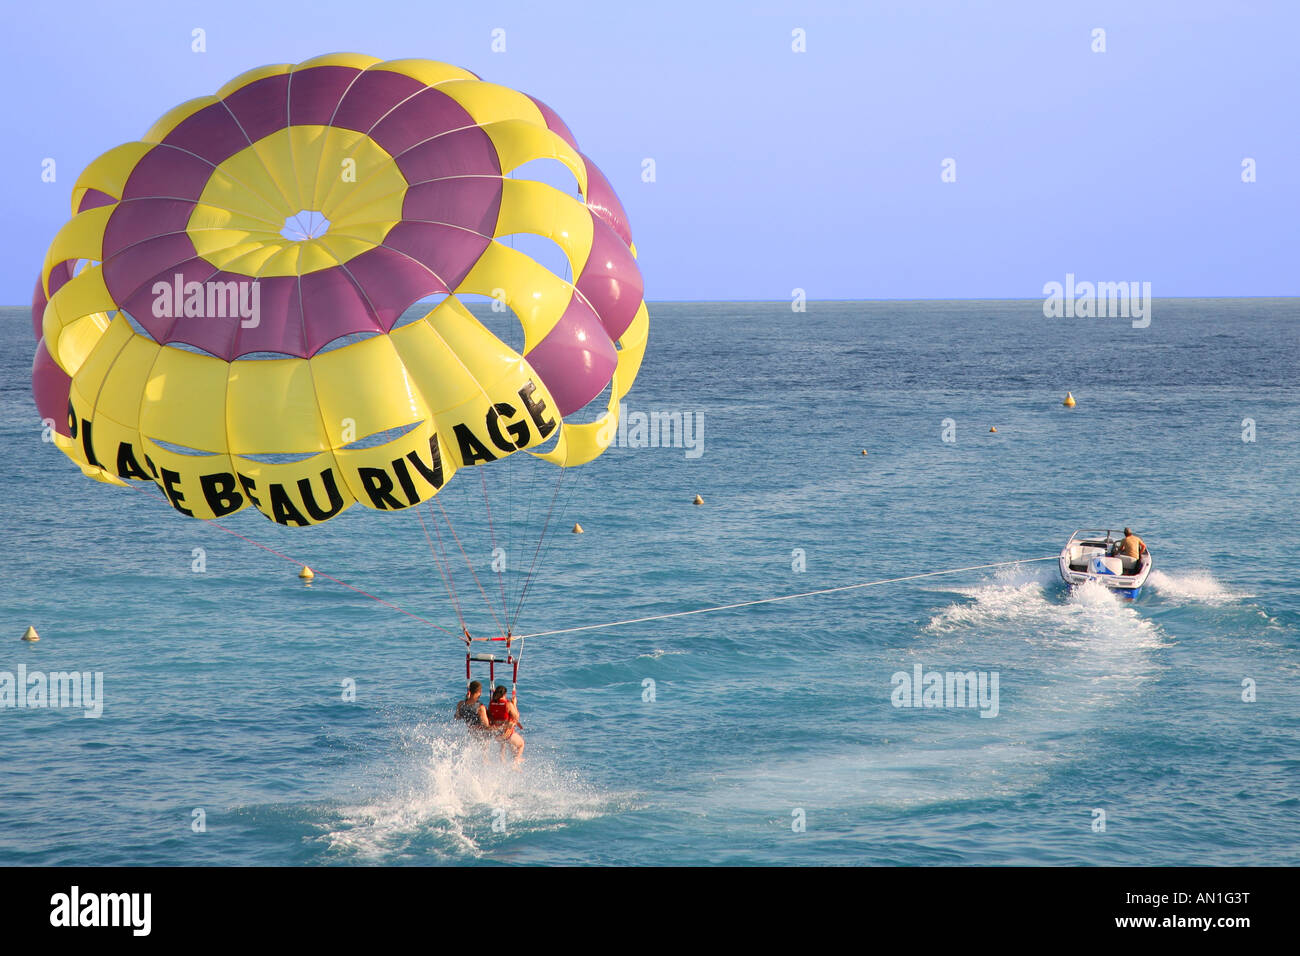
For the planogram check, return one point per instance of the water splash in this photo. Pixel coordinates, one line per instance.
(450, 797)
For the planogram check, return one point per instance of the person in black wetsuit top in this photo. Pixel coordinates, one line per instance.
(472, 712)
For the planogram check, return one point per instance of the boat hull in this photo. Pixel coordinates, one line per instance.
(1125, 589)
(1083, 560)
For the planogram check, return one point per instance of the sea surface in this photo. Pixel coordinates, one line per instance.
(1161, 731)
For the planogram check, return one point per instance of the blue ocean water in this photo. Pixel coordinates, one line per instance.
(771, 737)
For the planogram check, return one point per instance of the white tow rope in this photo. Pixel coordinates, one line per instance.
(784, 597)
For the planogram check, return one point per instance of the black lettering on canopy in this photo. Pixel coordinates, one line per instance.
(433, 475)
(404, 477)
(282, 508)
(127, 465)
(72, 420)
(535, 408)
(379, 486)
(169, 481)
(87, 445)
(220, 494)
(518, 430)
(249, 487)
(309, 496)
(472, 451)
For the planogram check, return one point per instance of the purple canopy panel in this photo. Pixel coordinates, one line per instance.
(315, 93)
(212, 134)
(602, 201)
(419, 119)
(333, 306)
(38, 310)
(369, 99)
(130, 276)
(60, 275)
(446, 251)
(576, 360)
(135, 221)
(214, 335)
(472, 204)
(391, 283)
(554, 123)
(280, 323)
(611, 281)
(168, 173)
(466, 152)
(93, 199)
(262, 107)
(51, 388)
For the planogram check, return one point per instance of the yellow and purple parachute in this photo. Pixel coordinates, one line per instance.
(220, 316)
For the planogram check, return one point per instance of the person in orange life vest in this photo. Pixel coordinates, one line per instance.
(503, 716)
(472, 712)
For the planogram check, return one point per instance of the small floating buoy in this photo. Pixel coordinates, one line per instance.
(577, 529)
(307, 574)
(30, 634)
(993, 428)
(864, 451)
(698, 500)
(1069, 400)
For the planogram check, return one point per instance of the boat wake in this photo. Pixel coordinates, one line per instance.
(450, 797)
(1071, 648)
(1195, 587)
(1022, 602)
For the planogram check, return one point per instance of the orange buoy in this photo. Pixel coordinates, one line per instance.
(1069, 400)
(577, 529)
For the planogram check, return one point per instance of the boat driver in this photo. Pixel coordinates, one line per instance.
(1131, 547)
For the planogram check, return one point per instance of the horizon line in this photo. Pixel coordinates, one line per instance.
(786, 301)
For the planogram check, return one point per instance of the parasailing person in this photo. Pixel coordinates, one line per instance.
(472, 712)
(503, 717)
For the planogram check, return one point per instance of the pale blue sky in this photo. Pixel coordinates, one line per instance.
(776, 169)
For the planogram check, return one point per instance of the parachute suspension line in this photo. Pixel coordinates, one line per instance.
(510, 532)
(528, 523)
(487, 602)
(487, 506)
(444, 566)
(785, 597)
(528, 578)
(447, 582)
(302, 564)
(573, 490)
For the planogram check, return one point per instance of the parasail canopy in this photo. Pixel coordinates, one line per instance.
(220, 315)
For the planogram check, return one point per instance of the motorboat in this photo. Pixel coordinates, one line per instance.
(1092, 555)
